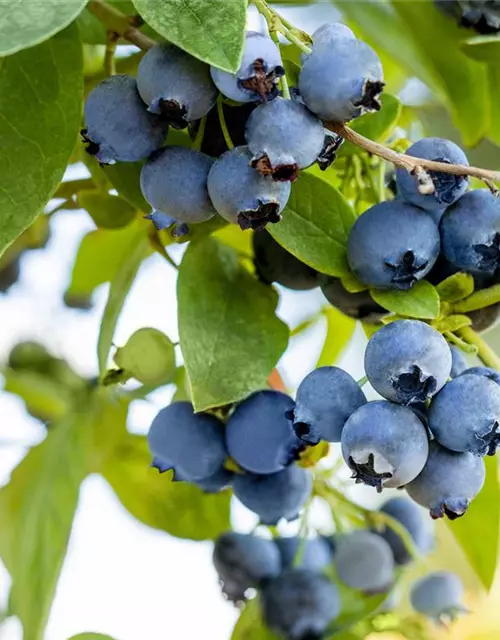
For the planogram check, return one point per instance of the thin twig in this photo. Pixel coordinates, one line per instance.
(119, 23)
(223, 125)
(412, 165)
(484, 351)
(109, 55)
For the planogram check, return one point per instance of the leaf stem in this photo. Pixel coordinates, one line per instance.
(277, 23)
(484, 351)
(223, 125)
(109, 55)
(198, 141)
(478, 300)
(362, 381)
(119, 23)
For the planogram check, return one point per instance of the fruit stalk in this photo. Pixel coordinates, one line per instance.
(119, 23)
(276, 23)
(478, 300)
(484, 351)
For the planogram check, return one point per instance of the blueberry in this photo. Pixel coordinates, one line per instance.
(364, 561)
(485, 318)
(360, 306)
(407, 361)
(470, 233)
(235, 116)
(331, 32)
(259, 436)
(481, 15)
(273, 263)
(259, 72)
(175, 84)
(174, 182)
(275, 496)
(341, 81)
(392, 245)
(448, 188)
(465, 415)
(241, 195)
(244, 561)
(438, 596)
(283, 137)
(215, 483)
(414, 520)
(325, 399)
(316, 552)
(328, 154)
(487, 372)
(448, 482)
(384, 444)
(300, 604)
(190, 443)
(458, 362)
(117, 124)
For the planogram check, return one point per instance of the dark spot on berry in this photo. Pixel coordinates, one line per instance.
(174, 113)
(406, 269)
(414, 386)
(446, 184)
(328, 154)
(281, 173)
(365, 473)
(488, 443)
(489, 254)
(257, 219)
(92, 147)
(261, 83)
(370, 100)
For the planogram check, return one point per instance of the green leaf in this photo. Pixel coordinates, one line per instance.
(456, 287)
(315, 226)
(452, 323)
(226, 318)
(106, 210)
(24, 24)
(211, 31)
(478, 531)
(37, 509)
(179, 508)
(421, 301)
(339, 331)
(483, 48)
(40, 109)
(99, 256)
(250, 626)
(125, 178)
(138, 249)
(378, 125)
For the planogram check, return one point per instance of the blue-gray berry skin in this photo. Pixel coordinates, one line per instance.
(283, 137)
(325, 399)
(384, 444)
(407, 361)
(300, 604)
(176, 85)
(392, 245)
(448, 482)
(190, 443)
(244, 561)
(243, 196)
(470, 233)
(259, 436)
(260, 69)
(217, 482)
(316, 552)
(448, 188)
(458, 362)
(487, 372)
(330, 32)
(364, 561)
(414, 519)
(465, 415)
(118, 127)
(174, 182)
(273, 263)
(438, 596)
(341, 81)
(360, 306)
(480, 15)
(276, 496)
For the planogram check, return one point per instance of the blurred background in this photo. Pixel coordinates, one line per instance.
(122, 577)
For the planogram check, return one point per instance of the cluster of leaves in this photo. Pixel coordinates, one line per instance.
(52, 57)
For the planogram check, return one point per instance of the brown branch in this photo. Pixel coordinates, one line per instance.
(415, 166)
(119, 23)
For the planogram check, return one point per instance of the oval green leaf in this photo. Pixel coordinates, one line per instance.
(457, 287)
(483, 48)
(421, 301)
(315, 226)
(226, 318)
(211, 31)
(40, 109)
(106, 210)
(24, 24)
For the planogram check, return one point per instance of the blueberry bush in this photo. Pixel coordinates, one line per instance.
(359, 162)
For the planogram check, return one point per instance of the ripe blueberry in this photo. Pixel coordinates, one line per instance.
(360, 306)
(407, 361)
(241, 195)
(259, 436)
(364, 561)
(326, 398)
(481, 15)
(316, 552)
(215, 483)
(392, 245)
(448, 482)
(384, 444)
(117, 124)
(275, 496)
(260, 69)
(175, 84)
(448, 188)
(190, 443)
(487, 372)
(458, 362)
(438, 596)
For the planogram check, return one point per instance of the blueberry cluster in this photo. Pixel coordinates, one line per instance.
(299, 579)
(128, 120)
(481, 15)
